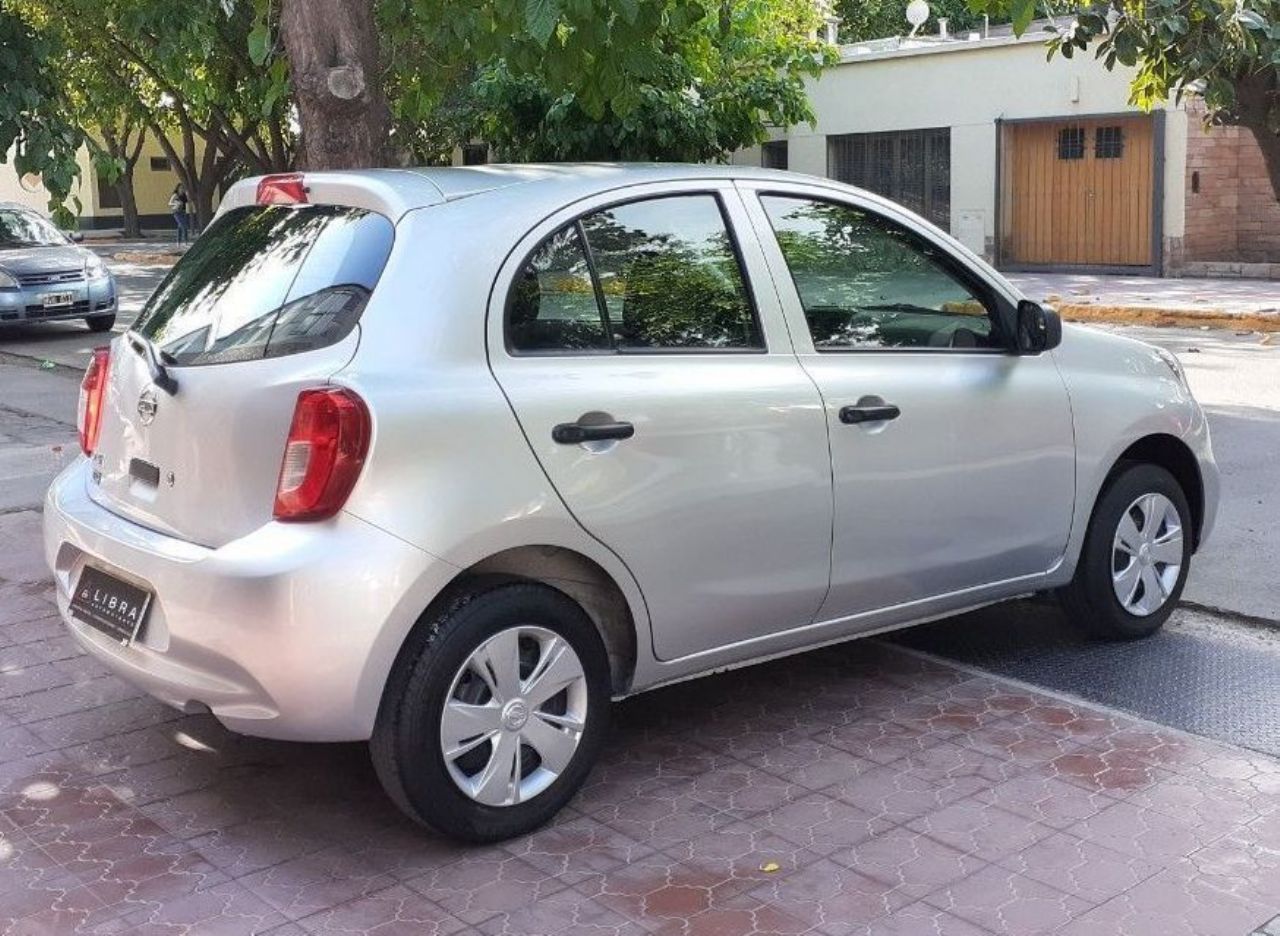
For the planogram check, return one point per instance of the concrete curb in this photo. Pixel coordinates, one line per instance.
(1170, 317)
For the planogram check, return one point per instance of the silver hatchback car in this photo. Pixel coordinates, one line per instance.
(45, 276)
(446, 459)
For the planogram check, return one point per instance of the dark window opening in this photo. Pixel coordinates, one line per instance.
(108, 196)
(159, 163)
(773, 155)
(1108, 143)
(475, 154)
(912, 167)
(1071, 143)
(1195, 182)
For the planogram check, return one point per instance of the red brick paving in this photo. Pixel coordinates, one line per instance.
(893, 795)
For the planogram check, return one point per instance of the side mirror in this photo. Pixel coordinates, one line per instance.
(76, 237)
(1039, 329)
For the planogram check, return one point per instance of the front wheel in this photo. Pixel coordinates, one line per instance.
(494, 713)
(1136, 554)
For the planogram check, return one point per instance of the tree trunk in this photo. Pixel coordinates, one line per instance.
(128, 204)
(1257, 96)
(337, 83)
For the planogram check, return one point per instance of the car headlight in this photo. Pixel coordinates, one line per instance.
(7, 281)
(95, 269)
(1174, 365)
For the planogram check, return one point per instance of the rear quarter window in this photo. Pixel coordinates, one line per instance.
(267, 281)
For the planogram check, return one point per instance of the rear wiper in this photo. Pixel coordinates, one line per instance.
(159, 375)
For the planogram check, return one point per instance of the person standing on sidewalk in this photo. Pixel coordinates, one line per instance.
(178, 206)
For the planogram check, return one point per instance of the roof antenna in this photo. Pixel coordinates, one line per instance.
(917, 15)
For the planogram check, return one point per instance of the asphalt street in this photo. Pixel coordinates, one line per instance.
(1214, 670)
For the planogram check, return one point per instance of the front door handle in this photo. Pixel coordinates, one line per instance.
(574, 433)
(876, 413)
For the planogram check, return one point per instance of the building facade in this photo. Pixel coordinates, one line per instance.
(1036, 164)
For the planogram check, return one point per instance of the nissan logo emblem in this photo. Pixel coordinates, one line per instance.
(147, 407)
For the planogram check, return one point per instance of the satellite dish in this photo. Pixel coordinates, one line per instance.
(917, 14)
(30, 182)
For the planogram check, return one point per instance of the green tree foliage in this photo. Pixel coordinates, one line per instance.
(1227, 51)
(36, 128)
(600, 79)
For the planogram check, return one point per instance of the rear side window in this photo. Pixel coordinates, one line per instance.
(650, 275)
(266, 281)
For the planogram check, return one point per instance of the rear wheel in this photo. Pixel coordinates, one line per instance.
(495, 713)
(1136, 554)
(100, 323)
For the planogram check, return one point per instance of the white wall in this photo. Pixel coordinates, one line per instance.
(967, 86)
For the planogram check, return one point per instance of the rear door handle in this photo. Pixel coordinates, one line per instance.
(862, 414)
(574, 433)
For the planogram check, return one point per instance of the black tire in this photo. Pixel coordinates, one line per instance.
(1090, 600)
(100, 323)
(405, 745)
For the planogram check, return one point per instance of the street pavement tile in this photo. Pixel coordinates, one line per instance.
(811, 763)
(574, 846)
(911, 862)
(565, 913)
(1008, 903)
(822, 823)
(261, 843)
(661, 815)
(1172, 903)
(223, 908)
(918, 785)
(1085, 869)
(1074, 721)
(21, 603)
(1243, 771)
(917, 919)
(980, 829)
(478, 887)
(302, 886)
(395, 911)
(1025, 745)
(736, 858)
(1182, 798)
(1241, 864)
(1117, 771)
(880, 741)
(1148, 834)
(1045, 799)
(836, 899)
(740, 790)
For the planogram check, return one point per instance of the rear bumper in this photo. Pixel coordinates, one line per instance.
(288, 632)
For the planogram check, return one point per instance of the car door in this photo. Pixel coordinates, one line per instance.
(952, 458)
(665, 404)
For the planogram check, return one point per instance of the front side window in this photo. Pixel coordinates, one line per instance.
(866, 283)
(265, 281)
(650, 275)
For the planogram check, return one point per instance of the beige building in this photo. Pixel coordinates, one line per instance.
(1035, 164)
(153, 183)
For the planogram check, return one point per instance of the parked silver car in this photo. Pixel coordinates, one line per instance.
(445, 459)
(45, 276)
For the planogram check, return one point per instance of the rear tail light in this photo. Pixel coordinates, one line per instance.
(327, 444)
(93, 391)
(283, 189)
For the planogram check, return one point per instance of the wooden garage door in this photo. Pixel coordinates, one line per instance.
(1078, 192)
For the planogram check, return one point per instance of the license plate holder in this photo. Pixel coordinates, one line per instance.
(110, 605)
(56, 300)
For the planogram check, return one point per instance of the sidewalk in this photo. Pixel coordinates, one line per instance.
(1148, 300)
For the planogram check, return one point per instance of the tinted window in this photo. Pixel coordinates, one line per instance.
(670, 276)
(865, 283)
(553, 303)
(27, 229)
(652, 274)
(267, 281)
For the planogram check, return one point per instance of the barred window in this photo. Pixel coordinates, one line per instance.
(1071, 143)
(1108, 143)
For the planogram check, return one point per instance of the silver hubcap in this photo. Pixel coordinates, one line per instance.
(514, 716)
(1146, 554)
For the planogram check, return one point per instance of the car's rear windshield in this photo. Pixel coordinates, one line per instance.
(266, 281)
